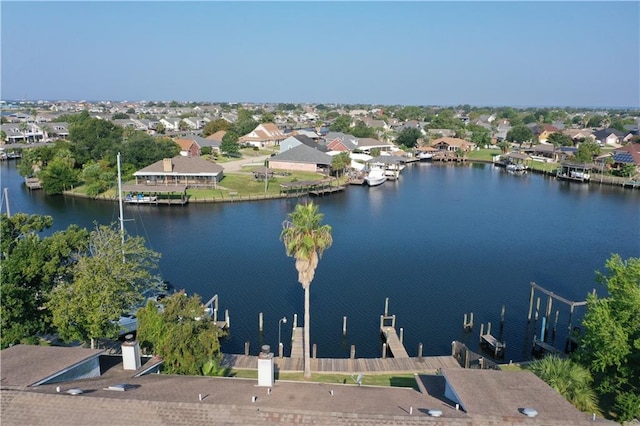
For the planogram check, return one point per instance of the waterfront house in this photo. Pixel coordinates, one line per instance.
(264, 135)
(302, 158)
(185, 171)
(188, 147)
(612, 137)
(544, 152)
(338, 141)
(367, 144)
(295, 140)
(544, 131)
(628, 154)
(452, 144)
(22, 132)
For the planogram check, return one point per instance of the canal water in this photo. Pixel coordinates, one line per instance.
(440, 242)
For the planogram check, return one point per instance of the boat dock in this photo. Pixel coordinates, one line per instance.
(489, 341)
(297, 347)
(33, 183)
(346, 365)
(388, 331)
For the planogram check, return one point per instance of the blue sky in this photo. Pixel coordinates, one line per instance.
(411, 53)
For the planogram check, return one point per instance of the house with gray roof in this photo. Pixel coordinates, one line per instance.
(295, 140)
(302, 158)
(181, 171)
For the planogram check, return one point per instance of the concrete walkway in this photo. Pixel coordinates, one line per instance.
(237, 165)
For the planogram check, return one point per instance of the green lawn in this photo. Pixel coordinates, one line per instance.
(401, 380)
(483, 154)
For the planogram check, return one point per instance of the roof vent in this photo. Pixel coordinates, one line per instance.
(120, 387)
(74, 391)
(529, 412)
(435, 413)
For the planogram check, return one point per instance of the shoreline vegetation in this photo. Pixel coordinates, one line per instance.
(237, 186)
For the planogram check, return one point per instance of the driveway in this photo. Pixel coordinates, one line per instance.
(237, 165)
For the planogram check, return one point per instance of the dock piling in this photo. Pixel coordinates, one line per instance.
(401, 335)
(386, 307)
(314, 351)
(352, 355)
(246, 348)
(489, 328)
(531, 302)
(226, 317)
(261, 322)
(384, 351)
(555, 322)
(481, 331)
(468, 325)
(502, 315)
(420, 352)
(344, 326)
(537, 308)
(295, 321)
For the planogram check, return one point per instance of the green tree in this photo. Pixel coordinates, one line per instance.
(409, 113)
(559, 139)
(3, 136)
(595, 121)
(341, 124)
(59, 175)
(31, 267)
(94, 139)
(610, 346)
(305, 239)
(361, 130)
(569, 379)
(520, 134)
(109, 280)
(504, 146)
(142, 149)
(408, 137)
(480, 136)
(339, 162)
(229, 145)
(98, 177)
(160, 128)
(181, 333)
(215, 126)
(587, 151)
(267, 117)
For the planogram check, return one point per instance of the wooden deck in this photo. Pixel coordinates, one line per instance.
(493, 343)
(326, 190)
(33, 183)
(393, 342)
(297, 348)
(346, 365)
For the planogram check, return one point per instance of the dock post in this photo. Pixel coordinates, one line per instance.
(543, 328)
(555, 323)
(488, 328)
(261, 322)
(530, 303)
(314, 351)
(570, 316)
(246, 348)
(502, 315)
(386, 306)
(215, 315)
(344, 326)
(549, 304)
(226, 318)
(471, 325)
(384, 351)
(481, 331)
(401, 335)
(295, 321)
(537, 308)
(419, 351)
(381, 321)
(280, 349)
(464, 322)
(352, 355)
(393, 321)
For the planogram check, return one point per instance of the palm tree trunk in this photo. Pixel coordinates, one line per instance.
(307, 345)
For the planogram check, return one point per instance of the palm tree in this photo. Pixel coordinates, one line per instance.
(569, 379)
(305, 239)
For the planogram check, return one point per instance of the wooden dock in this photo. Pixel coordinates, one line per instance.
(388, 331)
(347, 365)
(33, 183)
(491, 342)
(297, 347)
(326, 190)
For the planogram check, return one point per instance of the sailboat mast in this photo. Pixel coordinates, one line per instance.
(121, 218)
(6, 200)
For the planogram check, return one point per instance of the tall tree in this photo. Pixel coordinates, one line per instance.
(341, 124)
(559, 139)
(339, 162)
(229, 145)
(569, 379)
(181, 333)
(109, 280)
(610, 347)
(215, 126)
(520, 134)
(409, 137)
(305, 239)
(31, 267)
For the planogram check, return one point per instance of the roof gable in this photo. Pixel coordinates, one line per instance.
(303, 154)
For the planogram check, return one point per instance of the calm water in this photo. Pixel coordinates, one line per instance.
(440, 242)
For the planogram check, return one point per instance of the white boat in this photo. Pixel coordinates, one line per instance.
(141, 199)
(425, 156)
(376, 176)
(516, 168)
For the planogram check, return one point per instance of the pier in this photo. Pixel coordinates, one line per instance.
(33, 183)
(388, 331)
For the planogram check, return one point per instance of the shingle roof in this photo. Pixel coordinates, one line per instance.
(303, 154)
(182, 166)
(43, 362)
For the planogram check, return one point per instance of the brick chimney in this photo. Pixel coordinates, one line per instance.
(167, 166)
